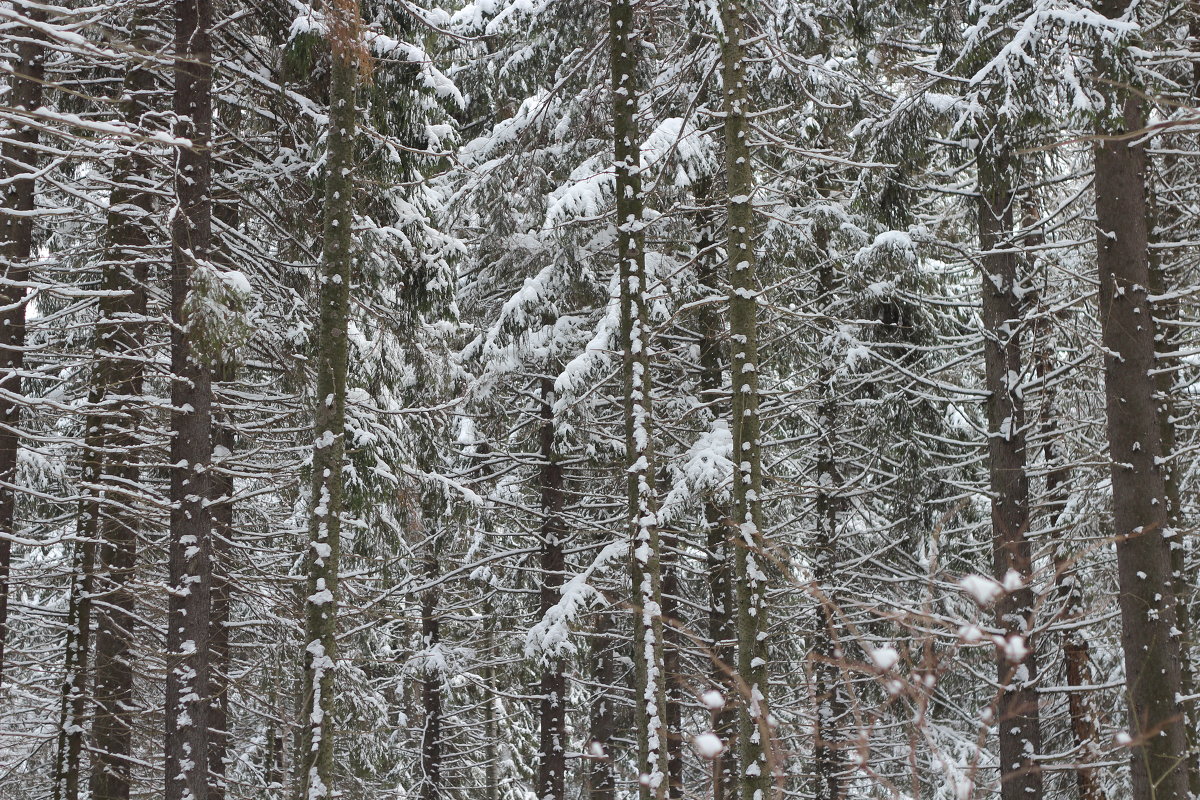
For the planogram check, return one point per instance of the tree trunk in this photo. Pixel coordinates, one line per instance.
(18, 163)
(1147, 598)
(602, 782)
(120, 370)
(672, 679)
(190, 548)
(722, 634)
(431, 690)
(491, 724)
(752, 560)
(828, 761)
(1017, 705)
(552, 754)
(315, 757)
(649, 688)
(73, 701)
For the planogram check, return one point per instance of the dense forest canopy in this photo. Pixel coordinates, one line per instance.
(599, 399)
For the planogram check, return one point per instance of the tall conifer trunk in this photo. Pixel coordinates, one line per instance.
(722, 634)
(646, 550)
(73, 700)
(552, 749)
(18, 163)
(190, 546)
(120, 334)
(1147, 599)
(751, 560)
(432, 680)
(1017, 706)
(315, 759)
(672, 650)
(602, 782)
(828, 760)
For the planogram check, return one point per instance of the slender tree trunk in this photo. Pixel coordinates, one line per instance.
(722, 634)
(828, 761)
(120, 333)
(491, 726)
(649, 688)
(315, 757)
(18, 163)
(431, 690)
(68, 767)
(190, 549)
(751, 562)
(552, 754)
(672, 649)
(1017, 705)
(1147, 598)
(602, 782)
(273, 763)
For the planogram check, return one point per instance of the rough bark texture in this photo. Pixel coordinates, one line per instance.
(552, 753)
(645, 572)
(752, 558)
(315, 759)
(1139, 492)
(431, 691)
(828, 759)
(722, 635)
(1017, 704)
(73, 702)
(673, 643)
(190, 547)
(18, 161)
(120, 334)
(602, 781)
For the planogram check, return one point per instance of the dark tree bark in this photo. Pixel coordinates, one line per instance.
(120, 333)
(751, 560)
(602, 780)
(190, 548)
(431, 690)
(491, 723)
(642, 510)
(828, 760)
(1147, 600)
(315, 758)
(1017, 705)
(73, 701)
(552, 754)
(672, 650)
(18, 163)
(722, 635)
